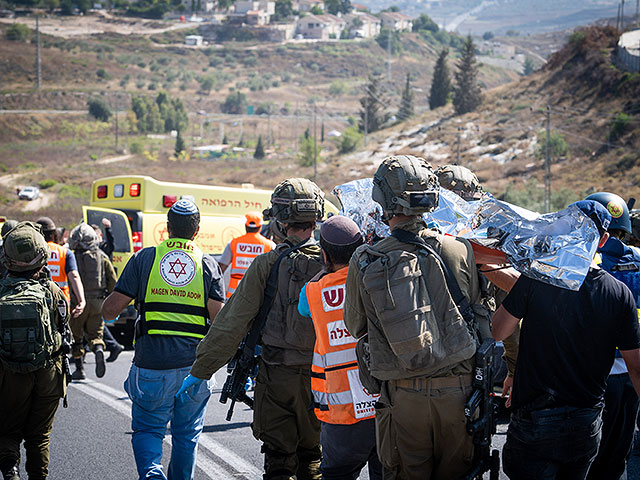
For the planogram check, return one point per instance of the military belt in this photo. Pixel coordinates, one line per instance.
(423, 383)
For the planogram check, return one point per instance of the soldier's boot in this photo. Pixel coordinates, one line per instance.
(101, 367)
(309, 464)
(11, 474)
(78, 374)
(278, 465)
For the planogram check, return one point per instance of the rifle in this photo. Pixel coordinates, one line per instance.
(245, 362)
(65, 333)
(483, 427)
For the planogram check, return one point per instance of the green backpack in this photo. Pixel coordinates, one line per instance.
(28, 338)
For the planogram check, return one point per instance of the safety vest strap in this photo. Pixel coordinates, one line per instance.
(161, 327)
(333, 359)
(175, 308)
(337, 398)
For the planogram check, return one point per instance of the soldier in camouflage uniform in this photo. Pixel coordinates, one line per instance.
(29, 398)
(420, 418)
(283, 418)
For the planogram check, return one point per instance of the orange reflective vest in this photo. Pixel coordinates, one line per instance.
(57, 263)
(243, 250)
(338, 394)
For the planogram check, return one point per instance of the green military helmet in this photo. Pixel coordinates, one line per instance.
(24, 248)
(296, 200)
(7, 226)
(83, 237)
(617, 208)
(405, 185)
(459, 180)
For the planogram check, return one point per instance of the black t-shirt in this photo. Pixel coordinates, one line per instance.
(568, 339)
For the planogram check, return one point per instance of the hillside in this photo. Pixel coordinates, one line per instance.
(296, 82)
(594, 108)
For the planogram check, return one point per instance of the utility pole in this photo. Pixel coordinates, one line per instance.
(366, 119)
(315, 144)
(622, 17)
(547, 166)
(115, 112)
(458, 154)
(637, 13)
(618, 18)
(38, 63)
(269, 136)
(389, 57)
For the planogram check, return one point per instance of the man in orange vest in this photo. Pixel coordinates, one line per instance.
(240, 252)
(343, 406)
(63, 267)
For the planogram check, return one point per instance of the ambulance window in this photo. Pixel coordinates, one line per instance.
(121, 239)
(118, 190)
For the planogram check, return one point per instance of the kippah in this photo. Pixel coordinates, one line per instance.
(340, 230)
(184, 207)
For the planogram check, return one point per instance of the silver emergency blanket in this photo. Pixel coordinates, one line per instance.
(555, 248)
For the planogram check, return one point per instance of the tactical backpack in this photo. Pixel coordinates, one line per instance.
(28, 338)
(91, 269)
(427, 323)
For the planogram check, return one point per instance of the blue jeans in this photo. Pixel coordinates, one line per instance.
(154, 406)
(554, 443)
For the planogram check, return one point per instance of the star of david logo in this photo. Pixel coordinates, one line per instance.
(173, 265)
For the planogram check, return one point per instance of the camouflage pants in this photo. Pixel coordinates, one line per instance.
(283, 420)
(28, 403)
(88, 325)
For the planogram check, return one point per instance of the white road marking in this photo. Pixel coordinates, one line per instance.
(119, 400)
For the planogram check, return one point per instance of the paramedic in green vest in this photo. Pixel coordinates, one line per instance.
(283, 419)
(29, 401)
(420, 422)
(178, 292)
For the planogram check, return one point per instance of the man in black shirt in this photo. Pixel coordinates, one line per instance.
(567, 346)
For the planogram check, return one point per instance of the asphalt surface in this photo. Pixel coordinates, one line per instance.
(93, 436)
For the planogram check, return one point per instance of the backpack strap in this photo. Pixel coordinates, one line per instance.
(454, 288)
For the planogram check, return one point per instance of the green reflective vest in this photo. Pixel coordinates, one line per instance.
(175, 302)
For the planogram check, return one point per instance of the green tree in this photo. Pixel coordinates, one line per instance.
(373, 105)
(322, 132)
(180, 145)
(467, 95)
(424, 22)
(316, 10)
(307, 151)
(206, 84)
(17, 32)
(406, 102)
(620, 125)
(51, 5)
(283, 10)
(486, 36)
(66, 7)
(259, 152)
(557, 145)
(441, 82)
(224, 4)
(333, 6)
(528, 67)
(235, 103)
(99, 109)
(349, 140)
(83, 5)
(383, 40)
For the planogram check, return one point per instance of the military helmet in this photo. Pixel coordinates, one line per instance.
(616, 207)
(459, 180)
(296, 200)
(7, 227)
(83, 237)
(406, 185)
(24, 248)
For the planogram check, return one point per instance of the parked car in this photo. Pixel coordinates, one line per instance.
(28, 193)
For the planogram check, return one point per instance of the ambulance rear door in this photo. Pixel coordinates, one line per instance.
(123, 246)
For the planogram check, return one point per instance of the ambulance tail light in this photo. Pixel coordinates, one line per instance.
(136, 239)
(101, 191)
(134, 190)
(169, 200)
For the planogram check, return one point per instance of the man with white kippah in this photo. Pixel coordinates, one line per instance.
(178, 293)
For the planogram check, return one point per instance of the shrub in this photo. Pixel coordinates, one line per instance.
(349, 140)
(48, 183)
(99, 109)
(17, 32)
(136, 148)
(103, 74)
(620, 126)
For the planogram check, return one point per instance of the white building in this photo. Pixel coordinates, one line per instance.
(396, 21)
(242, 7)
(362, 25)
(195, 40)
(320, 27)
(306, 5)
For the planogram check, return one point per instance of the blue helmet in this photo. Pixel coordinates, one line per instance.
(617, 207)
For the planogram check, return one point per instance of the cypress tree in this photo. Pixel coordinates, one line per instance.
(441, 82)
(259, 153)
(406, 102)
(372, 107)
(180, 145)
(467, 95)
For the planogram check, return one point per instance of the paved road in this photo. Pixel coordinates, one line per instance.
(93, 435)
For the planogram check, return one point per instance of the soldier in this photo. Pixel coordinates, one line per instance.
(6, 228)
(31, 378)
(240, 252)
(98, 279)
(283, 422)
(421, 335)
(178, 292)
(460, 180)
